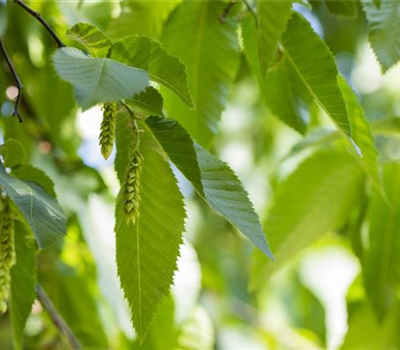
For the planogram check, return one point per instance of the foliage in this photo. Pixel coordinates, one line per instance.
(154, 136)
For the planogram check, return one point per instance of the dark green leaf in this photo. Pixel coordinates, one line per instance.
(342, 8)
(91, 38)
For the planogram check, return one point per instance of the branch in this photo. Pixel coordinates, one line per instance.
(56, 318)
(16, 79)
(42, 21)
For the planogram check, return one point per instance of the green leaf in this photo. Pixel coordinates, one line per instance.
(315, 199)
(384, 31)
(23, 282)
(342, 8)
(147, 252)
(91, 38)
(149, 55)
(272, 19)
(210, 51)
(148, 102)
(29, 173)
(13, 153)
(213, 179)
(381, 271)
(98, 79)
(311, 59)
(41, 211)
(361, 132)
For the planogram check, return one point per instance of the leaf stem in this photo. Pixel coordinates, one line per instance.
(42, 21)
(16, 79)
(56, 318)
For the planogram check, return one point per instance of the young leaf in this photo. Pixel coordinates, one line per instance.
(313, 200)
(149, 55)
(342, 8)
(91, 38)
(210, 51)
(41, 211)
(384, 29)
(98, 79)
(23, 281)
(361, 131)
(272, 19)
(213, 179)
(311, 59)
(381, 259)
(148, 250)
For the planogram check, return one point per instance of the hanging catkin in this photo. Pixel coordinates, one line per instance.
(7, 250)
(107, 129)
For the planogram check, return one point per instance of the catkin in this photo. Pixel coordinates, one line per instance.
(107, 129)
(131, 188)
(7, 250)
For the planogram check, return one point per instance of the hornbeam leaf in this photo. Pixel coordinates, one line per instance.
(313, 200)
(381, 259)
(384, 31)
(210, 51)
(272, 19)
(342, 8)
(91, 38)
(40, 210)
(149, 55)
(98, 79)
(361, 132)
(309, 56)
(213, 179)
(23, 282)
(147, 251)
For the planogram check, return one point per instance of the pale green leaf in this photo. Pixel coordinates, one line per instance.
(98, 79)
(272, 19)
(13, 153)
(361, 132)
(210, 51)
(40, 210)
(384, 31)
(315, 199)
(382, 260)
(218, 185)
(343, 8)
(311, 59)
(147, 252)
(149, 55)
(91, 38)
(23, 282)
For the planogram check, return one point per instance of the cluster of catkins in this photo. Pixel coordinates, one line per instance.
(7, 250)
(131, 187)
(107, 129)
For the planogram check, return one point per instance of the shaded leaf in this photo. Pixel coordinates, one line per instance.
(210, 51)
(342, 8)
(91, 38)
(148, 102)
(98, 79)
(309, 56)
(40, 210)
(23, 282)
(213, 179)
(149, 55)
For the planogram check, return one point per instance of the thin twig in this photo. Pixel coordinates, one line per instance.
(227, 9)
(16, 79)
(56, 318)
(42, 21)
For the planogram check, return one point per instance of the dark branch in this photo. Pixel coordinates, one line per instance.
(56, 318)
(227, 9)
(42, 21)
(16, 79)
